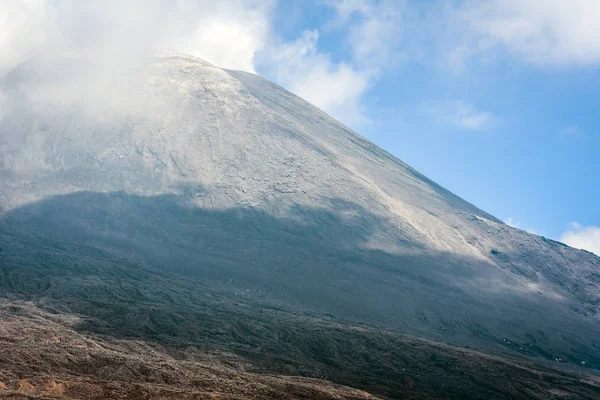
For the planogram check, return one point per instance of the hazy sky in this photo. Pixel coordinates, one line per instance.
(497, 100)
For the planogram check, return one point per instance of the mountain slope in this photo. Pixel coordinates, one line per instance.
(223, 179)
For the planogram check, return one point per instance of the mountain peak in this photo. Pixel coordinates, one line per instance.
(226, 178)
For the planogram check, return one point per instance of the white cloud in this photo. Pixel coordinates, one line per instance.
(383, 33)
(225, 33)
(453, 33)
(216, 34)
(546, 32)
(379, 35)
(375, 29)
(582, 237)
(232, 35)
(115, 37)
(24, 28)
(463, 115)
(312, 75)
(110, 42)
(517, 224)
(512, 222)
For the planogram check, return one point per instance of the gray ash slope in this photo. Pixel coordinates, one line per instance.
(224, 178)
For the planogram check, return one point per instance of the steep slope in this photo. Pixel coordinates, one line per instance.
(223, 178)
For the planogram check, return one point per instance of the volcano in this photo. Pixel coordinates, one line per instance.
(208, 233)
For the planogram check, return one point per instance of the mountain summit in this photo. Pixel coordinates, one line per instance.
(212, 209)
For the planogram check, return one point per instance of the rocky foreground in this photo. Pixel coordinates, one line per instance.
(42, 355)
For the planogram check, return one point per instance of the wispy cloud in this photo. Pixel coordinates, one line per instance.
(372, 31)
(582, 237)
(336, 87)
(92, 54)
(570, 131)
(235, 34)
(517, 224)
(545, 32)
(228, 33)
(231, 35)
(379, 34)
(456, 34)
(375, 29)
(463, 116)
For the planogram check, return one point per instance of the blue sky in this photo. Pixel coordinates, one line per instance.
(497, 100)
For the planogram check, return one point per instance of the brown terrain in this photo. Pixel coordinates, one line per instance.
(42, 357)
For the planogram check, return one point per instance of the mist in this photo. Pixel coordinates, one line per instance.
(94, 56)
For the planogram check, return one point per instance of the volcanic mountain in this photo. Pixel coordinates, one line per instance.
(208, 233)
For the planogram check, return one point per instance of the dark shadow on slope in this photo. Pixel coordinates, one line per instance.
(311, 260)
(274, 289)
